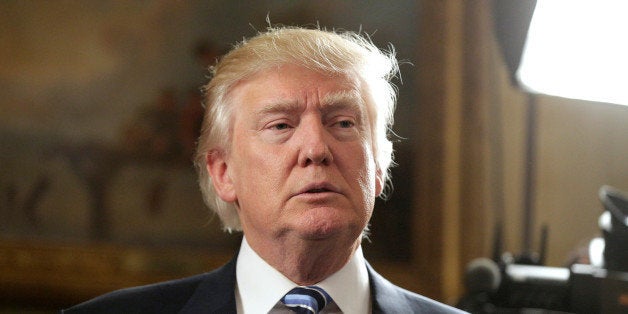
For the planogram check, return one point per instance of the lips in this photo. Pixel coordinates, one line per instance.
(317, 190)
(321, 187)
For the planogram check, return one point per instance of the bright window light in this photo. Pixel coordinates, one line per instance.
(578, 49)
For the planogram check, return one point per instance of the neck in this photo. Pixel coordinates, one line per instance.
(306, 262)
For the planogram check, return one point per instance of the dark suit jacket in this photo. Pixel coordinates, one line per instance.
(214, 292)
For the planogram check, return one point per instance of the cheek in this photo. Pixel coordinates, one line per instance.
(370, 165)
(363, 169)
(256, 170)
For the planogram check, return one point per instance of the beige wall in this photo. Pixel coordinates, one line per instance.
(473, 141)
(582, 146)
(579, 145)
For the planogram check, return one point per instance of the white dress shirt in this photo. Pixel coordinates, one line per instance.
(260, 287)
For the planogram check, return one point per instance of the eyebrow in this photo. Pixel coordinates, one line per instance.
(343, 100)
(279, 107)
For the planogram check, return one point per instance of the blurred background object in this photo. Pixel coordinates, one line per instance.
(595, 282)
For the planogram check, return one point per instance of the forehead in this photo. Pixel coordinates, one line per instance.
(295, 85)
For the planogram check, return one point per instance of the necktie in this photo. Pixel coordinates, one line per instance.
(306, 300)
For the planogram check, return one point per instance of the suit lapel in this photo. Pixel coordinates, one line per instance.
(216, 294)
(385, 298)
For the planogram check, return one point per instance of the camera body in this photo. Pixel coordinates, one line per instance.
(579, 289)
(511, 285)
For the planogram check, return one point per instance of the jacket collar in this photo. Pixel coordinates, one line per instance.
(216, 293)
(386, 298)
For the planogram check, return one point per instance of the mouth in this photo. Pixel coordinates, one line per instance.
(318, 188)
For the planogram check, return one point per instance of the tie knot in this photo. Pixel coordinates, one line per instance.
(310, 299)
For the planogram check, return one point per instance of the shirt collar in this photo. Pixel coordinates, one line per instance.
(260, 286)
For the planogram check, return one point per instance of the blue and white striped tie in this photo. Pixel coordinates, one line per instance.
(306, 300)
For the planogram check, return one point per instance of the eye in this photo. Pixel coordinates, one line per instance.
(280, 126)
(345, 124)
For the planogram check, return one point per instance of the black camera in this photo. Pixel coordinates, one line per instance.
(507, 286)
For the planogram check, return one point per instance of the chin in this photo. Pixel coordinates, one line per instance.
(329, 229)
(321, 233)
(324, 222)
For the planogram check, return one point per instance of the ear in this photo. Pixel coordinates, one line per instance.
(217, 167)
(379, 182)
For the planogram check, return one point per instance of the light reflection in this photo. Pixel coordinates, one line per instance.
(578, 49)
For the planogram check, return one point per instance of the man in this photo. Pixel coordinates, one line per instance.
(293, 152)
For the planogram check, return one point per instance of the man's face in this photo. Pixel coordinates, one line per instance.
(301, 160)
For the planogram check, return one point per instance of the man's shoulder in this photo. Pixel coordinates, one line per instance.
(390, 298)
(164, 297)
(422, 304)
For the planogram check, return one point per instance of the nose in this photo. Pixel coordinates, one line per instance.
(314, 146)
